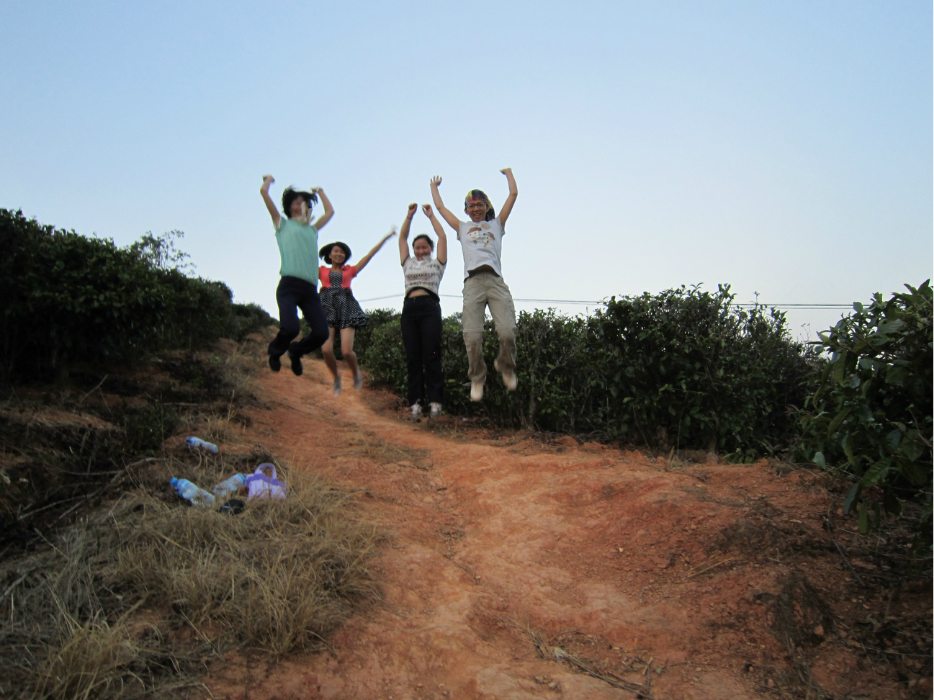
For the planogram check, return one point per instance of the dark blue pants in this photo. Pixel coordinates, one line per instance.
(293, 294)
(421, 338)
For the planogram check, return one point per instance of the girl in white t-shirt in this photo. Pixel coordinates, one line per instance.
(421, 313)
(481, 243)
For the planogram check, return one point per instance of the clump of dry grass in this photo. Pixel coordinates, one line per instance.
(238, 369)
(136, 600)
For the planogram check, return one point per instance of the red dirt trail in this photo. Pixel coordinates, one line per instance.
(514, 568)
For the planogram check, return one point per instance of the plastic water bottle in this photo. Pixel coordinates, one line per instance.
(199, 444)
(230, 486)
(191, 493)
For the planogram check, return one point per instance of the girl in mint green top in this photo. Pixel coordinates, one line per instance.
(297, 239)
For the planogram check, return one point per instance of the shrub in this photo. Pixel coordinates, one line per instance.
(69, 298)
(869, 410)
(690, 370)
(682, 369)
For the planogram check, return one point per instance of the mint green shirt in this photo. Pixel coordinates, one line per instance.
(298, 250)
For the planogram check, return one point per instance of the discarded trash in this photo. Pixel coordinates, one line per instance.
(263, 483)
(231, 486)
(191, 493)
(232, 507)
(199, 444)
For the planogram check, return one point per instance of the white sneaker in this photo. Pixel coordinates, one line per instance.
(337, 385)
(509, 378)
(435, 409)
(358, 381)
(476, 391)
(416, 411)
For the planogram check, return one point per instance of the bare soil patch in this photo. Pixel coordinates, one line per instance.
(520, 567)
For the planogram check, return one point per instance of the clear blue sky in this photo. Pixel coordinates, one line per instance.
(781, 147)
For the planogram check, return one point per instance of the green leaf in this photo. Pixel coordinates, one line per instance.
(839, 368)
(863, 518)
(837, 420)
(893, 439)
(851, 496)
(876, 473)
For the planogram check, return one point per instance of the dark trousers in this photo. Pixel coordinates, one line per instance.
(292, 294)
(421, 337)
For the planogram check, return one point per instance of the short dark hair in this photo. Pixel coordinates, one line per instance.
(421, 236)
(291, 195)
(325, 252)
(480, 194)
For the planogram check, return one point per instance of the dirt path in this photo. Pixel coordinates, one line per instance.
(514, 567)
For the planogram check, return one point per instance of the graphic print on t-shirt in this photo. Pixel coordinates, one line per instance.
(481, 235)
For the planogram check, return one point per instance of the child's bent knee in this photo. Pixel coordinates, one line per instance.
(287, 333)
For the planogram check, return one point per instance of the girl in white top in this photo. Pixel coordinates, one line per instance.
(421, 313)
(481, 243)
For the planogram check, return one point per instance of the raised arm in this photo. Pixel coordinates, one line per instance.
(366, 258)
(511, 199)
(270, 205)
(452, 220)
(328, 209)
(439, 232)
(404, 233)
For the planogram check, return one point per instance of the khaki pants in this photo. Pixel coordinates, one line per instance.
(482, 290)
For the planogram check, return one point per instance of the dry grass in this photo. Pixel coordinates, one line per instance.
(238, 368)
(134, 602)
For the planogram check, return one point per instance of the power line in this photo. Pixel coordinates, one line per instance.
(602, 301)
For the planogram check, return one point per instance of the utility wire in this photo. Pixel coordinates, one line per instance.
(601, 301)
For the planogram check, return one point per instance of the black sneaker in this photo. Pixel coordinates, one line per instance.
(297, 368)
(275, 364)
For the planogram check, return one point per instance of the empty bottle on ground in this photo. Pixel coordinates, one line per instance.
(191, 493)
(199, 444)
(230, 487)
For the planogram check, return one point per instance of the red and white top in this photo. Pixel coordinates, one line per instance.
(348, 272)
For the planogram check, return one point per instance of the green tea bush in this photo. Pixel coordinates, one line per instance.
(69, 298)
(682, 369)
(686, 368)
(869, 408)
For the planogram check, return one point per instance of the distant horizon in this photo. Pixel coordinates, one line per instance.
(569, 307)
(786, 149)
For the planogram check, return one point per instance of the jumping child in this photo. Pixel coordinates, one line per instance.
(421, 313)
(298, 243)
(343, 312)
(481, 241)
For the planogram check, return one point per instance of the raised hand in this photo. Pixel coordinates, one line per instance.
(428, 210)
(413, 207)
(506, 171)
(436, 181)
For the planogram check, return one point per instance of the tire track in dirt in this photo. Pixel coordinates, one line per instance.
(499, 553)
